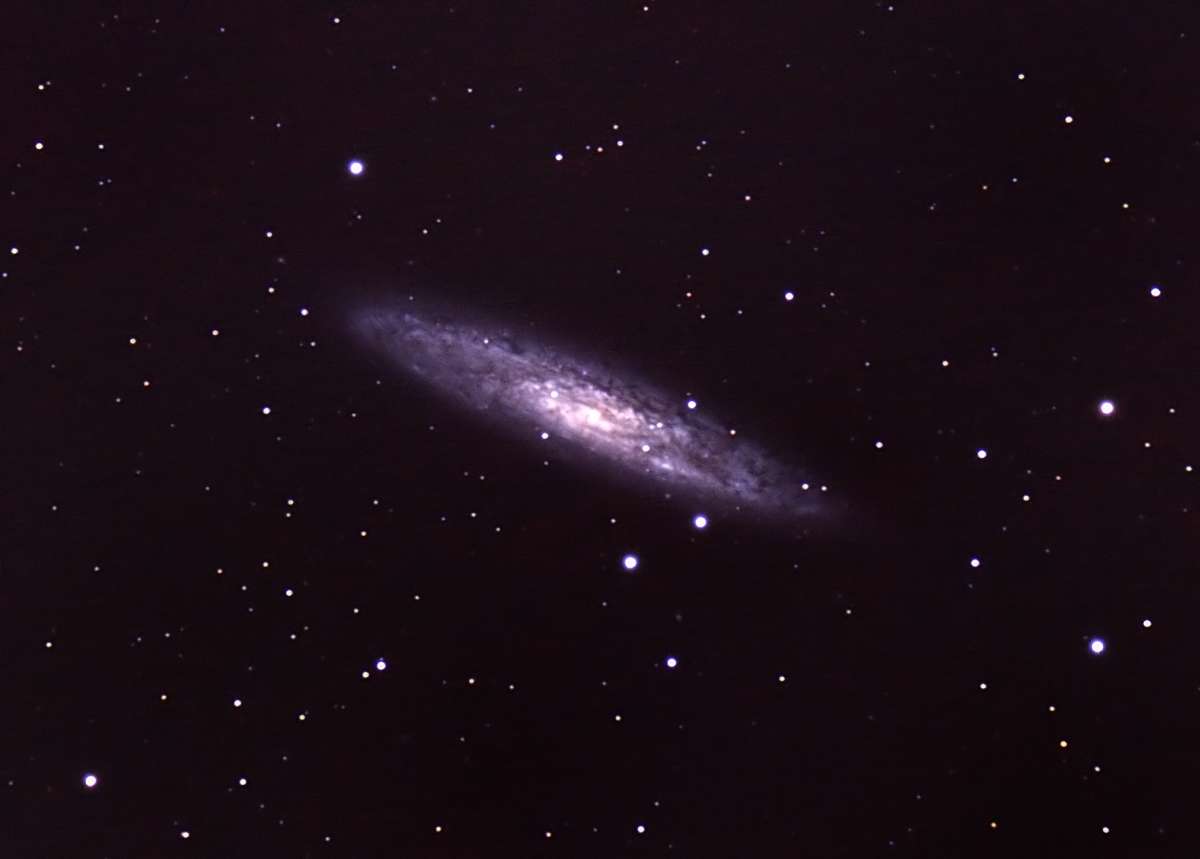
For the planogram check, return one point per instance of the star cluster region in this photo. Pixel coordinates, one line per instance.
(534, 563)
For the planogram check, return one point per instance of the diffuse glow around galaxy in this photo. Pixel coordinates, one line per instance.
(543, 393)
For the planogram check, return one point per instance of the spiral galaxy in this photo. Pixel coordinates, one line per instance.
(543, 393)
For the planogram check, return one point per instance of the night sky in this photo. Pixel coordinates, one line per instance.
(267, 591)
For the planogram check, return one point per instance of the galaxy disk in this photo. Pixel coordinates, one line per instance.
(545, 394)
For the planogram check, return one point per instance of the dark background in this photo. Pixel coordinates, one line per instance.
(923, 202)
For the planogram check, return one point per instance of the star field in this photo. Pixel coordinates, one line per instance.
(455, 431)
